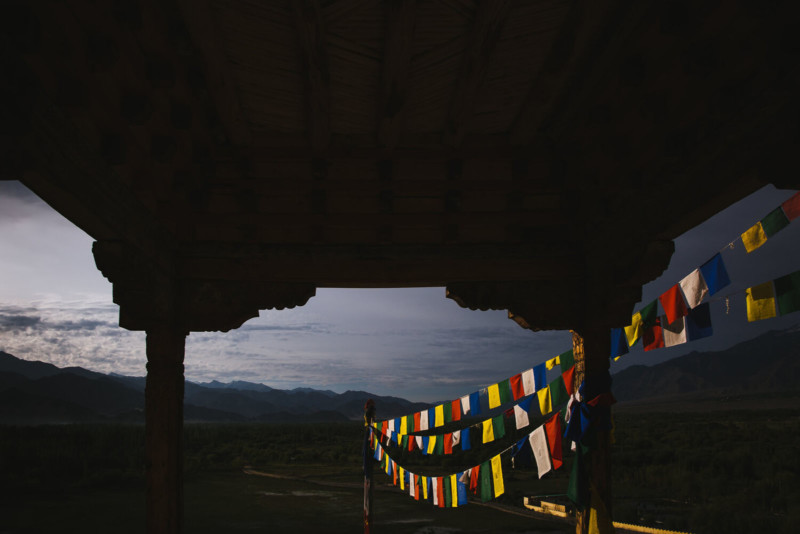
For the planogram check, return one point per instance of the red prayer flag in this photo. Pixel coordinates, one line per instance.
(416, 421)
(569, 377)
(516, 386)
(673, 304)
(448, 443)
(440, 491)
(416, 487)
(474, 478)
(653, 337)
(792, 206)
(553, 430)
(412, 442)
(385, 427)
(394, 471)
(455, 411)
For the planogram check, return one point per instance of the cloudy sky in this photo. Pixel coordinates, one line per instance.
(55, 306)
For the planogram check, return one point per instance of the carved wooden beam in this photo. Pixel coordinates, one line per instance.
(315, 68)
(486, 30)
(392, 109)
(389, 265)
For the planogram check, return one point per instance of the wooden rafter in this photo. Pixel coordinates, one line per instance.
(315, 66)
(576, 42)
(486, 29)
(200, 22)
(392, 108)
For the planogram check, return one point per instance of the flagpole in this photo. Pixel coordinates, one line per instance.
(369, 416)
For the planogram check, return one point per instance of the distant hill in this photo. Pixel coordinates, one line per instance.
(768, 363)
(33, 392)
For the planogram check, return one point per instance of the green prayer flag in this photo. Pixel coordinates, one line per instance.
(499, 426)
(649, 314)
(448, 412)
(439, 445)
(486, 481)
(558, 392)
(567, 360)
(577, 490)
(787, 292)
(411, 424)
(505, 392)
(774, 222)
(404, 442)
(448, 492)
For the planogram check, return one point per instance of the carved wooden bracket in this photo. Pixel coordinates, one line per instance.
(149, 297)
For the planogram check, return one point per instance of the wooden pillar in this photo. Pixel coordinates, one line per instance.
(369, 417)
(591, 348)
(164, 429)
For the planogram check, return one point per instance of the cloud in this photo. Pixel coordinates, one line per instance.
(17, 322)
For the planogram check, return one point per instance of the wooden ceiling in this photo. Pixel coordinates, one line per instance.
(534, 155)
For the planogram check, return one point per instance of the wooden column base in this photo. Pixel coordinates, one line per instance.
(164, 430)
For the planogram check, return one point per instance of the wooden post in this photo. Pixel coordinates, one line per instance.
(591, 349)
(164, 430)
(369, 417)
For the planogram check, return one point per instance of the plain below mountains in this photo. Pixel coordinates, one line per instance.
(33, 392)
(766, 366)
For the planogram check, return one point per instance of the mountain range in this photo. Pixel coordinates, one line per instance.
(769, 363)
(34, 392)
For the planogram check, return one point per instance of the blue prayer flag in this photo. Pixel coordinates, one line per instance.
(397, 425)
(432, 418)
(462, 489)
(619, 343)
(540, 376)
(465, 444)
(425, 440)
(698, 323)
(714, 274)
(526, 404)
(474, 404)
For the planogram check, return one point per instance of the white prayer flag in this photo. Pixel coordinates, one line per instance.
(418, 439)
(456, 437)
(694, 288)
(541, 452)
(465, 476)
(423, 420)
(391, 426)
(528, 387)
(675, 333)
(411, 487)
(465, 405)
(521, 417)
(434, 482)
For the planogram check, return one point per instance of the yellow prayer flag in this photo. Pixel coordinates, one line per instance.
(401, 474)
(497, 476)
(545, 401)
(494, 396)
(634, 331)
(454, 491)
(488, 431)
(754, 237)
(552, 362)
(760, 302)
(425, 488)
(431, 444)
(404, 425)
(439, 416)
